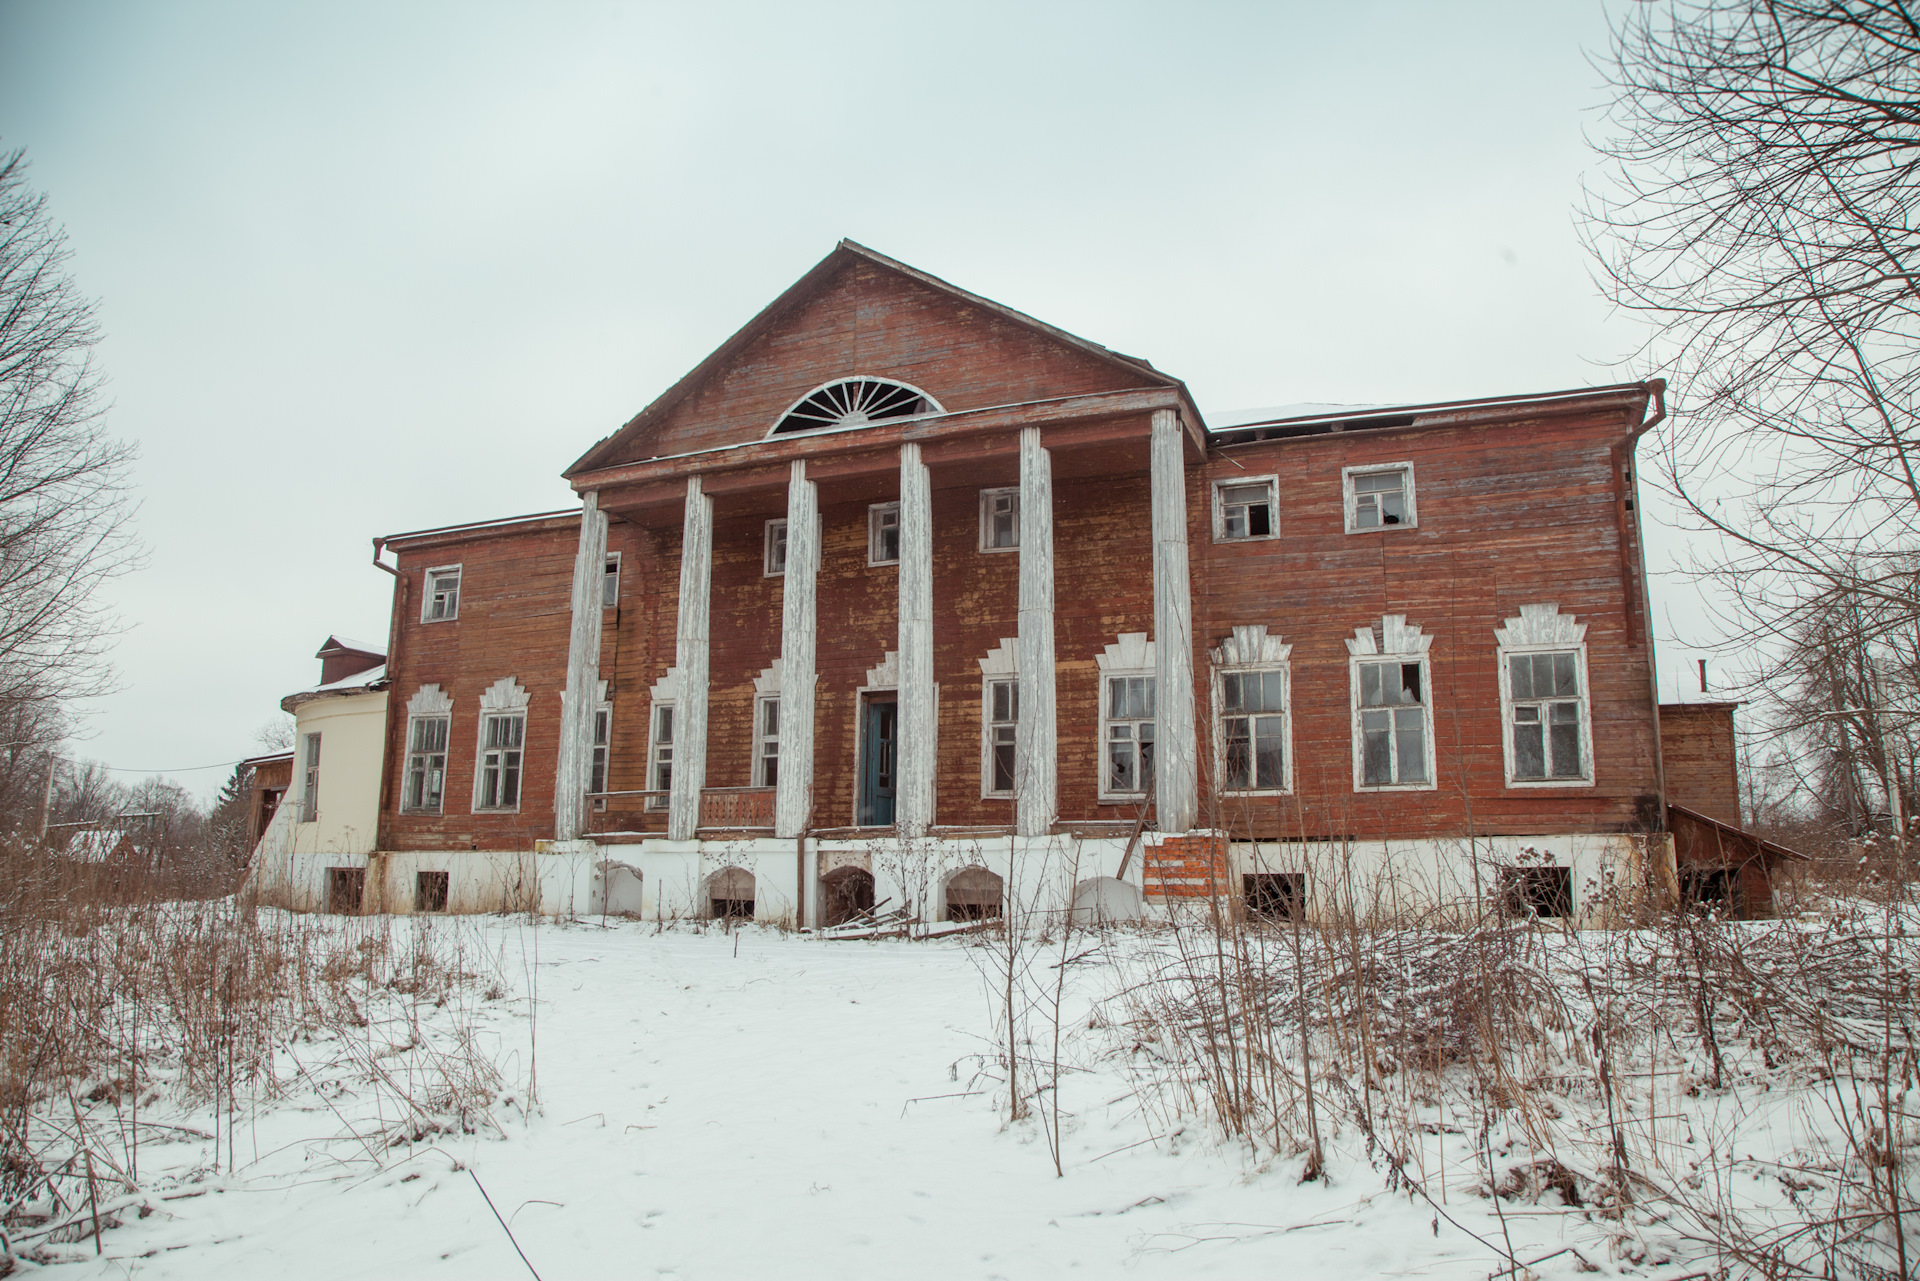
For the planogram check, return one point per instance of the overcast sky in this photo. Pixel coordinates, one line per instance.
(366, 268)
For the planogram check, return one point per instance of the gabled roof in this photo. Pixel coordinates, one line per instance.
(338, 644)
(844, 254)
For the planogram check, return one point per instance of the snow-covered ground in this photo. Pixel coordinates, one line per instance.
(757, 1104)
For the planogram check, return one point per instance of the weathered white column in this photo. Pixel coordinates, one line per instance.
(579, 703)
(1176, 754)
(690, 656)
(793, 792)
(914, 762)
(1036, 752)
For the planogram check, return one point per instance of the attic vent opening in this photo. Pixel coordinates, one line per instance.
(855, 402)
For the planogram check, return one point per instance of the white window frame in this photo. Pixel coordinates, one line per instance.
(310, 781)
(1132, 655)
(1396, 642)
(775, 535)
(1221, 484)
(610, 563)
(874, 513)
(653, 749)
(1542, 629)
(989, 727)
(762, 739)
(1350, 497)
(416, 753)
(601, 762)
(1220, 716)
(988, 497)
(1250, 649)
(503, 700)
(427, 594)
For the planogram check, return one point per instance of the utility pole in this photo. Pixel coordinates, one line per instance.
(46, 797)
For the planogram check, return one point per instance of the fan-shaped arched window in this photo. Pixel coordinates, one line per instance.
(855, 402)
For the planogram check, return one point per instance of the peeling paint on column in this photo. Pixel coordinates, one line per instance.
(793, 793)
(574, 773)
(690, 656)
(1176, 757)
(1036, 758)
(913, 804)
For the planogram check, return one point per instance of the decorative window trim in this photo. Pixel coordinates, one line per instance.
(1397, 640)
(610, 581)
(666, 693)
(874, 513)
(1002, 663)
(1131, 655)
(1272, 482)
(988, 498)
(1251, 649)
(429, 703)
(1543, 629)
(505, 699)
(774, 536)
(428, 594)
(1350, 499)
(815, 418)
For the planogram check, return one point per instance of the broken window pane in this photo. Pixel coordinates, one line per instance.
(1246, 511)
(1379, 498)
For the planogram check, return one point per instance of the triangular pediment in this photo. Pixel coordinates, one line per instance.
(859, 314)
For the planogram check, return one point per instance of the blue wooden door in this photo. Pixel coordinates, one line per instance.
(877, 742)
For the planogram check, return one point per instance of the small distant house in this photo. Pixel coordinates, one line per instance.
(1718, 865)
(272, 774)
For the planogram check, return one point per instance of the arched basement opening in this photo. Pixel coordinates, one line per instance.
(973, 894)
(730, 894)
(845, 892)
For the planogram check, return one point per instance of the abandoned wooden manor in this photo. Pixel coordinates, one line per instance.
(904, 597)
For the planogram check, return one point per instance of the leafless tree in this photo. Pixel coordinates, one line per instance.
(1759, 213)
(63, 481)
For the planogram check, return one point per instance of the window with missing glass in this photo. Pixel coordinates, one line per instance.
(774, 559)
(999, 520)
(1245, 508)
(502, 744)
(766, 750)
(426, 765)
(883, 534)
(660, 755)
(440, 599)
(1379, 497)
(602, 739)
(610, 582)
(1253, 730)
(1392, 723)
(999, 733)
(1546, 717)
(1126, 727)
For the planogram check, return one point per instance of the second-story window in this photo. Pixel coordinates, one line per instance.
(602, 732)
(440, 601)
(999, 520)
(883, 534)
(766, 751)
(1002, 697)
(502, 739)
(1379, 497)
(610, 582)
(1245, 509)
(1392, 730)
(1127, 728)
(775, 552)
(660, 755)
(1253, 730)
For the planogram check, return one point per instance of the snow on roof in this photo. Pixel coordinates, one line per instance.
(358, 680)
(337, 641)
(1279, 413)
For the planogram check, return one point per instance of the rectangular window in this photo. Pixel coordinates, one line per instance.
(999, 520)
(1538, 891)
(1002, 700)
(1275, 896)
(441, 599)
(1253, 730)
(602, 732)
(775, 555)
(1392, 724)
(310, 794)
(1378, 497)
(502, 737)
(660, 755)
(766, 753)
(883, 534)
(610, 582)
(1245, 509)
(1128, 732)
(430, 892)
(426, 765)
(346, 889)
(1544, 699)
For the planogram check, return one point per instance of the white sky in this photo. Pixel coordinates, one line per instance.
(366, 268)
